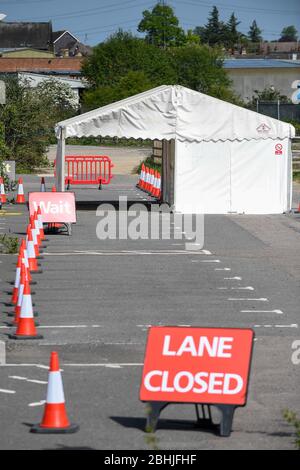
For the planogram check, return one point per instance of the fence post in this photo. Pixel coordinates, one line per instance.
(278, 110)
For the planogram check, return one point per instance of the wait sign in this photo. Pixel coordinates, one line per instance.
(55, 206)
(197, 365)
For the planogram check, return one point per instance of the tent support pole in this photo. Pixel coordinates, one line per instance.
(60, 161)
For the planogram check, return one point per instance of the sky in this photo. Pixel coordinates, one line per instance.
(92, 21)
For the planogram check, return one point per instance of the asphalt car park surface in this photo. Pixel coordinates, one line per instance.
(96, 299)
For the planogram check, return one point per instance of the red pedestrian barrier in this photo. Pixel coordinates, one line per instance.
(95, 169)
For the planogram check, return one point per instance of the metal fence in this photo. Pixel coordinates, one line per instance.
(277, 110)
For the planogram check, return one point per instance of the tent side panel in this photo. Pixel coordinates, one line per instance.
(202, 177)
(259, 176)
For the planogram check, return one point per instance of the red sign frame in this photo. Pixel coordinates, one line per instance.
(175, 356)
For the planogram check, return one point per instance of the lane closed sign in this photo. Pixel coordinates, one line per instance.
(197, 365)
(55, 206)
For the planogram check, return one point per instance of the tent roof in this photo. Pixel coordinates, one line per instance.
(175, 112)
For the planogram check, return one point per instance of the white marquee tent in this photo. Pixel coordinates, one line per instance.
(218, 158)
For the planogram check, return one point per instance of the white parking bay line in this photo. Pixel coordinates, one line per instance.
(293, 325)
(237, 288)
(3, 390)
(38, 403)
(118, 365)
(60, 326)
(278, 312)
(234, 278)
(222, 269)
(261, 299)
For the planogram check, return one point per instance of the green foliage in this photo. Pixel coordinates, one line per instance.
(150, 163)
(213, 32)
(289, 34)
(28, 118)
(292, 419)
(254, 33)
(122, 53)
(267, 94)
(124, 65)
(200, 68)
(131, 84)
(9, 244)
(162, 27)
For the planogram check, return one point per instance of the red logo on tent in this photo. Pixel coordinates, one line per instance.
(262, 128)
(197, 365)
(278, 149)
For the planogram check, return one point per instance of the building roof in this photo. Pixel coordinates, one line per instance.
(39, 64)
(260, 63)
(21, 34)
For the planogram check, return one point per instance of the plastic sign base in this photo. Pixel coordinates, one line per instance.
(23, 337)
(37, 429)
(225, 426)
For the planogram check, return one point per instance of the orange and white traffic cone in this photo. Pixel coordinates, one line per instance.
(15, 292)
(141, 179)
(154, 184)
(20, 195)
(24, 255)
(143, 176)
(147, 176)
(26, 328)
(35, 226)
(18, 306)
(40, 223)
(43, 185)
(55, 419)
(35, 237)
(3, 198)
(158, 194)
(30, 247)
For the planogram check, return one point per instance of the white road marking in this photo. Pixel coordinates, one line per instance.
(3, 390)
(293, 325)
(261, 299)
(210, 261)
(16, 377)
(279, 312)
(237, 288)
(235, 278)
(38, 403)
(61, 326)
(222, 269)
(112, 365)
(131, 253)
(2, 352)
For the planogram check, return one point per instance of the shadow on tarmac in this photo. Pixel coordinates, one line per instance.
(166, 424)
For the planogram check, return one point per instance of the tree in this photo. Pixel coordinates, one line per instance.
(254, 33)
(233, 36)
(289, 34)
(200, 67)
(215, 31)
(131, 84)
(161, 27)
(268, 94)
(121, 53)
(28, 119)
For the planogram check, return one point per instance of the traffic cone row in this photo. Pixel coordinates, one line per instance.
(21, 295)
(150, 181)
(3, 198)
(55, 419)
